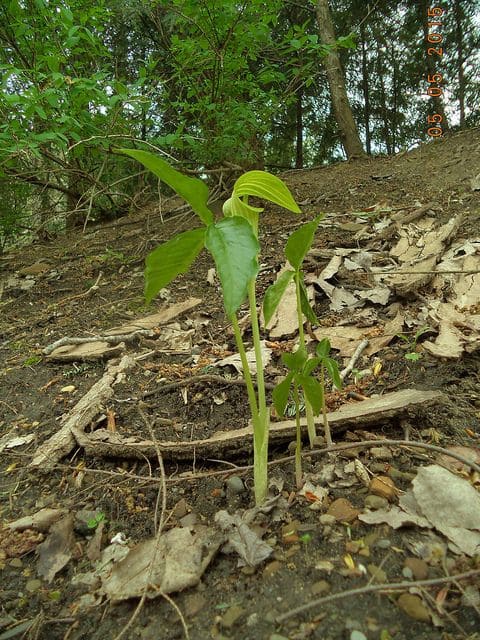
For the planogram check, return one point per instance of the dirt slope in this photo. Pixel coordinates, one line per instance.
(86, 284)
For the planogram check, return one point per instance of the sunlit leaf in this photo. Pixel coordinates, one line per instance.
(274, 294)
(193, 190)
(234, 247)
(300, 242)
(267, 186)
(170, 259)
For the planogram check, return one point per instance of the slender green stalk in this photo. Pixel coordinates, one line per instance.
(246, 369)
(298, 447)
(262, 423)
(326, 426)
(312, 434)
(262, 404)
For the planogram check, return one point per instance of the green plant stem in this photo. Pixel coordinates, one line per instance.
(261, 424)
(260, 414)
(312, 434)
(298, 447)
(262, 404)
(326, 426)
(252, 399)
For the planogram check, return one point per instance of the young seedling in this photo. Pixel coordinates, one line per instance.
(412, 353)
(327, 365)
(296, 249)
(300, 374)
(233, 244)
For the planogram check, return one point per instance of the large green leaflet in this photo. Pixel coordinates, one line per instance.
(274, 294)
(234, 247)
(193, 190)
(300, 242)
(267, 186)
(170, 259)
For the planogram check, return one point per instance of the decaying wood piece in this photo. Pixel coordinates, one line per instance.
(225, 444)
(110, 344)
(88, 408)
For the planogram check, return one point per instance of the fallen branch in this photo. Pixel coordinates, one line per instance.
(88, 407)
(126, 337)
(102, 443)
(394, 586)
(353, 360)
(202, 378)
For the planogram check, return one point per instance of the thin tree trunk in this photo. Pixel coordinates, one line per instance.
(457, 9)
(366, 91)
(383, 102)
(433, 62)
(336, 81)
(299, 119)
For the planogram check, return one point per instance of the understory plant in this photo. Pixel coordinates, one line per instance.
(233, 243)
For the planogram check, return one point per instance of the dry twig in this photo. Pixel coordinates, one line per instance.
(394, 586)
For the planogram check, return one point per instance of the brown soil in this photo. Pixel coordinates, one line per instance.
(32, 403)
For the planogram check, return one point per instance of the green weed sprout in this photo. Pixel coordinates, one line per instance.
(296, 249)
(411, 343)
(233, 244)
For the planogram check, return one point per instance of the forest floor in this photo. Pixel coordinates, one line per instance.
(310, 547)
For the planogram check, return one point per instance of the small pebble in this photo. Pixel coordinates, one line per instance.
(383, 543)
(235, 485)
(252, 620)
(33, 585)
(357, 635)
(418, 567)
(327, 519)
(232, 616)
(319, 588)
(352, 625)
(376, 502)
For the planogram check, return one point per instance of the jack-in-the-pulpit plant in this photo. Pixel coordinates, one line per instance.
(233, 243)
(299, 365)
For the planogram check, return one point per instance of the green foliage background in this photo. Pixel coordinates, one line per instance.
(209, 84)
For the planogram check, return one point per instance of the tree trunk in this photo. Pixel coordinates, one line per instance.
(336, 81)
(366, 91)
(433, 62)
(299, 118)
(457, 9)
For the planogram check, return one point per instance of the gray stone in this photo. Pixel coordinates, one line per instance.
(376, 502)
(235, 485)
(383, 543)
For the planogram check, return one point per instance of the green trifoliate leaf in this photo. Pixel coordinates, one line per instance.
(280, 394)
(307, 310)
(234, 247)
(274, 294)
(295, 361)
(267, 186)
(300, 242)
(332, 369)
(193, 190)
(313, 392)
(170, 259)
